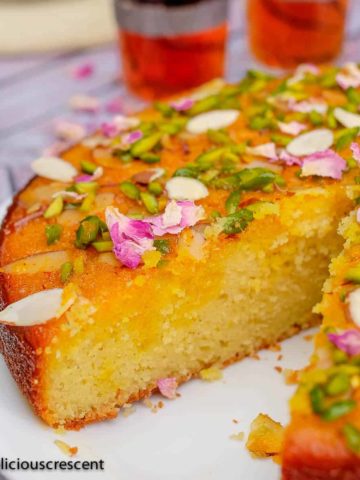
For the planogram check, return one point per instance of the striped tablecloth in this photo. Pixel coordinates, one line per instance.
(35, 91)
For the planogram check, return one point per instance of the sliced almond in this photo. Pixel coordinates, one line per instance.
(147, 176)
(311, 142)
(347, 119)
(211, 120)
(35, 309)
(184, 188)
(354, 306)
(54, 168)
(41, 262)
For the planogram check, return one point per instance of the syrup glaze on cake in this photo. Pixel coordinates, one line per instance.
(190, 235)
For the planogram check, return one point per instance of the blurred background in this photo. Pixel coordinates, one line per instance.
(66, 66)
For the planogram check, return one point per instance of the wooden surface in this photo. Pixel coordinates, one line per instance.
(35, 91)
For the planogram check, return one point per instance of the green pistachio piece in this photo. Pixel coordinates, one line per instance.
(338, 409)
(316, 118)
(130, 190)
(88, 167)
(352, 437)
(237, 222)
(347, 136)
(88, 202)
(145, 144)
(164, 108)
(155, 188)
(66, 271)
(204, 105)
(219, 136)
(53, 233)
(103, 246)
(281, 139)
(86, 187)
(149, 202)
(55, 207)
(88, 231)
(330, 119)
(260, 123)
(186, 172)
(317, 398)
(150, 158)
(162, 245)
(353, 96)
(233, 200)
(337, 384)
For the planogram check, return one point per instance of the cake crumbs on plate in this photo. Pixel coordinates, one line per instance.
(235, 421)
(154, 408)
(276, 347)
(291, 376)
(279, 357)
(266, 437)
(128, 409)
(238, 436)
(66, 449)
(308, 337)
(278, 369)
(211, 374)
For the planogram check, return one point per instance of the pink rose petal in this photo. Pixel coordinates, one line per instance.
(132, 238)
(288, 159)
(183, 104)
(119, 124)
(116, 105)
(349, 76)
(132, 137)
(307, 106)
(167, 387)
(266, 150)
(348, 341)
(69, 196)
(323, 164)
(83, 71)
(292, 128)
(90, 178)
(355, 148)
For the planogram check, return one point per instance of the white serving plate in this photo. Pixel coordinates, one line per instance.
(189, 439)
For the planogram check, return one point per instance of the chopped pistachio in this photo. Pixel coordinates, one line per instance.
(281, 139)
(88, 231)
(346, 137)
(316, 118)
(353, 96)
(164, 108)
(204, 105)
(317, 398)
(162, 245)
(155, 188)
(260, 123)
(79, 265)
(150, 158)
(53, 233)
(55, 207)
(86, 187)
(338, 409)
(352, 436)
(88, 167)
(170, 128)
(237, 222)
(66, 271)
(339, 357)
(88, 202)
(103, 246)
(130, 190)
(330, 119)
(145, 144)
(219, 136)
(149, 202)
(233, 200)
(186, 172)
(337, 384)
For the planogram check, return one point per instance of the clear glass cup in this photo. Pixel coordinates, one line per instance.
(284, 33)
(168, 46)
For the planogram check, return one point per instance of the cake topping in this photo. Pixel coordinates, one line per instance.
(167, 387)
(54, 168)
(323, 164)
(346, 118)
(266, 150)
(215, 119)
(311, 142)
(183, 104)
(355, 148)
(185, 188)
(34, 309)
(347, 341)
(349, 76)
(90, 178)
(132, 238)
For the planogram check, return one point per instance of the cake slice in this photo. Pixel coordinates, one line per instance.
(188, 236)
(323, 438)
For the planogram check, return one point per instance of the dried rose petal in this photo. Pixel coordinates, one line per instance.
(183, 104)
(116, 105)
(69, 131)
(267, 150)
(167, 387)
(348, 341)
(132, 137)
(85, 103)
(349, 76)
(324, 164)
(90, 178)
(83, 71)
(307, 106)
(288, 159)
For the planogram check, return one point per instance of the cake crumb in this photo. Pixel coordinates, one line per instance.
(149, 404)
(308, 337)
(275, 348)
(278, 369)
(255, 356)
(280, 357)
(66, 449)
(128, 409)
(238, 436)
(235, 421)
(211, 374)
(291, 376)
(266, 437)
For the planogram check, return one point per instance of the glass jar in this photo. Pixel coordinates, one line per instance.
(284, 33)
(168, 46)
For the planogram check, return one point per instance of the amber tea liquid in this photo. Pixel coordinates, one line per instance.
(284, 33)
